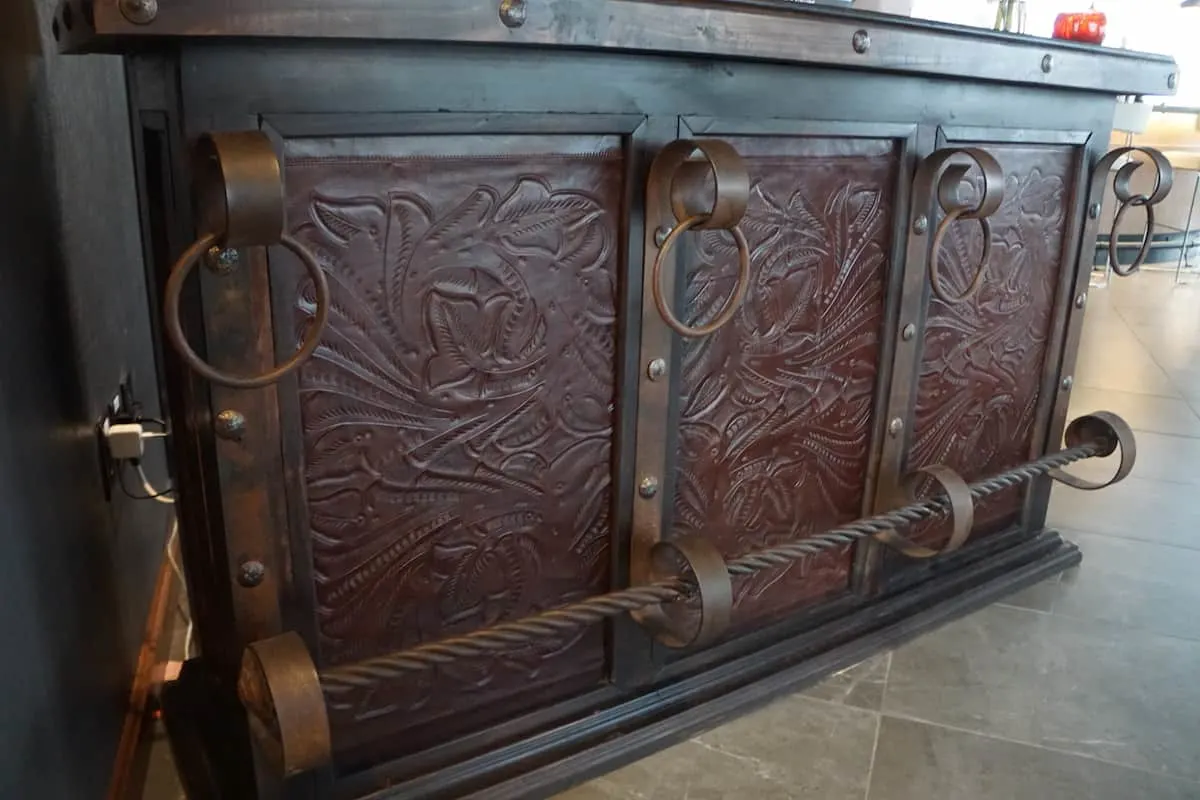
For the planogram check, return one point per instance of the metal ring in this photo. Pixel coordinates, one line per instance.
(1113, 432)
(935, 280)
(735, 299)
(1113, 258)
(714, 588)
(183, 268)
(962, 514)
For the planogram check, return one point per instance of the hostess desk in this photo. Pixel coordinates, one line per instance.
(551, 380)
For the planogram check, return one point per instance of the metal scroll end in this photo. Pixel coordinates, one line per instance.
(703, 618)
(1127, 198)
(1109, 433)
(280, 690)
(942, 176)
(961, 506)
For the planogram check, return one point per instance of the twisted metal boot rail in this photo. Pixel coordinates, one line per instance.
(569, 618)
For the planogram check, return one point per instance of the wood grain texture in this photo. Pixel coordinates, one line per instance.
(776, 412)
(982, 360)
(458, 416)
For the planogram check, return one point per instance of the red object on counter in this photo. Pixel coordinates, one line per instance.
(1082, 26)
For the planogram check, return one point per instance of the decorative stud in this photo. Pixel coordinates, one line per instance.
(222, 260)
(1081, 301)
(251, 573)
(656, 369)
(920, 224)
(1094, 211)
(895, 426)
(648, 488)
(661, 235)
(908, 332)
(139, 12)
(861, 41)
(1067, 383)
(512, 13)
(231, 425)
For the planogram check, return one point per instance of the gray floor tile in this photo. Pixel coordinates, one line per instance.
(1140, 376)
(1160, 457)
(1139, 584)
(860, 686)
(1144, 510)
(1187, 382)
(1039, 597)
(796, 747)
(1121, 695)
(1143, 412)
(915, 761)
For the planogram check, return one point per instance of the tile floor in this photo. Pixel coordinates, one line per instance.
(1081, 688)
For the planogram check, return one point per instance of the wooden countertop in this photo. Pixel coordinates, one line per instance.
(776, 30)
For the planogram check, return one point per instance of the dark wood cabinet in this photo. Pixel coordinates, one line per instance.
(497, 420)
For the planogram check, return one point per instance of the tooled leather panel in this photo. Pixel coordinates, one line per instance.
(458, 416)
(776, 413)
(982, 360)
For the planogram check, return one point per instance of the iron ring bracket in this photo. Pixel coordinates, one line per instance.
(675, 180)
(240, 201)
(962, 513)
(1112, 433)
(942, 174)
(1122, 183)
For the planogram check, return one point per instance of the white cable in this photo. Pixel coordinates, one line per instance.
(151, 492)
(172, 543)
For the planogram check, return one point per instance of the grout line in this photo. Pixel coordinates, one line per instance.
(1079, 529)
(874, 752)
(1009, 740)
(1067, 530)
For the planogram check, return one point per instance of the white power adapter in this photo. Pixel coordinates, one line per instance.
(127, 440)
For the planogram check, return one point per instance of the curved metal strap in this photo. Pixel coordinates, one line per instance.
(1114, 432)
(682, 624)
(279, 687)
(962, 513)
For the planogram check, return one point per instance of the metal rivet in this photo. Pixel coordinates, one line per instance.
(1047, 63)
(895, 426)
(251, 573)
(139, 12)
(1172, 79)
(656, 369)
(222, 260)
(1094, 211)
(661, 235)
(231, 425)
(861, 41)
(908, 332)
(920, 224)
(648, 487)
(1081, 301)
(512, 13)
(1067, 383)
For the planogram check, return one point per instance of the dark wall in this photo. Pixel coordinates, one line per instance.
(76, 572)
